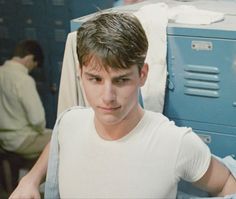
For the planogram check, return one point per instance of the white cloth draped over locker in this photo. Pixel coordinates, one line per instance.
(71, 90)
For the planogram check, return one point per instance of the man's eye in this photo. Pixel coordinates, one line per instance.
(122, 80)
(95, 79)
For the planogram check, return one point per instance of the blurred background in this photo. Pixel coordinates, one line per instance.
(48, 22)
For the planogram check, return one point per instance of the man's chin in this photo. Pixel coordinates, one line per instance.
(109, 120)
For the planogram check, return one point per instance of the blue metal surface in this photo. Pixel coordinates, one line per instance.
(203, 78)
(201, 83)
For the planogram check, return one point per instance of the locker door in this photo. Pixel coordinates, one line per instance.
(202, 80)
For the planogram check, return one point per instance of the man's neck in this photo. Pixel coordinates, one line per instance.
(121, 129)
(19, 60)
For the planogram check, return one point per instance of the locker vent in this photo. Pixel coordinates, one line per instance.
(201, 80)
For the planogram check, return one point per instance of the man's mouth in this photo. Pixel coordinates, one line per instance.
(109, 109)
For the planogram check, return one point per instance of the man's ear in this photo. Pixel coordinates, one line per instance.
(27, 60)
(29, 57)
(143, 74)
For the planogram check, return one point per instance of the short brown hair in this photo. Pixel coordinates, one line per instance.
(29, 47)
(118, 39)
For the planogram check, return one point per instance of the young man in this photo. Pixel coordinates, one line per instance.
(115, 149)
(22, 117)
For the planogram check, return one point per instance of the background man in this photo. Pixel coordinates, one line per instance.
(22, 117)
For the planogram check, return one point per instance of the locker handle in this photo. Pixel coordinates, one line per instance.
(170, 85)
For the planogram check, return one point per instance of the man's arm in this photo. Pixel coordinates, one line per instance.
(28, 186)
(32, 105)
(218, 180)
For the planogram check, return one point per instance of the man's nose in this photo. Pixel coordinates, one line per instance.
(109, 94)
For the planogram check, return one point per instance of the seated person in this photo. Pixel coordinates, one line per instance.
(116, 149)
(22, 116)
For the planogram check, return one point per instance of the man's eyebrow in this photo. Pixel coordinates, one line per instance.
(91, 74)
(115, 77)
(122, 75)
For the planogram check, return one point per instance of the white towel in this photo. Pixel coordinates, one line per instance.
(154, 19)
(70, 92)
(186, 14)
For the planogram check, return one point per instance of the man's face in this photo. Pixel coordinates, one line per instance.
(112, 94)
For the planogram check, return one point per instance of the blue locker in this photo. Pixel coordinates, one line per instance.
(32, 17)
(8, 7)
(58, 15)
(202, 77)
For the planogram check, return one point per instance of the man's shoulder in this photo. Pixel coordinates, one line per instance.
(73, 118)
(15, 79)
(76, 111)
(165, 125)
(156, 116)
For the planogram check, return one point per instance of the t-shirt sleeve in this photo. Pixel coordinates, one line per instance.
(193, 159)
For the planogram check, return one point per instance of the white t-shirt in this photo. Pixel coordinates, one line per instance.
(146, 163)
